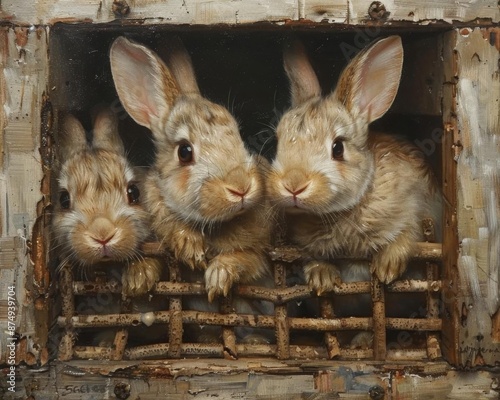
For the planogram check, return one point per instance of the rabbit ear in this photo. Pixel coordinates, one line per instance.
(303, 81)
(106, 134)
(181, 66)
(146, 87)
(72, 138)
(370, 82)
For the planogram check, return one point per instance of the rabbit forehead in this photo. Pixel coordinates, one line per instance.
(197, 119)
(307, 133)
(212, 131)
(95, 171)
(319, 120)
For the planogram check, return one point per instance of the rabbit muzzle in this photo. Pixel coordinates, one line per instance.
(293, 189)
(102, 236)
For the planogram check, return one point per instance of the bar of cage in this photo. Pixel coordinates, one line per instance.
(313, 324)
(280, 322)
(433, 346)
(247, 320)
(124, 321)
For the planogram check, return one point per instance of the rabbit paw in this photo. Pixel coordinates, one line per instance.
(190, 249)
(388, 265)
(140, 277)
(220, 275)
(322, 276)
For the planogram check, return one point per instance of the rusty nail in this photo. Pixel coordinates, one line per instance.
(376, 392)
(122, 390)
(465, 32)
(377, 11)
(120, 8)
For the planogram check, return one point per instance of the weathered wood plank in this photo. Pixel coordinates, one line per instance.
(450, 308)
(23, 79)
(253, 379)
(24, 72)
(237, 12)
(156, 11)
(359, 11)
(478, 97)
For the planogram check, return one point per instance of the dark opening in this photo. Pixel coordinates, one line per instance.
(241, 68)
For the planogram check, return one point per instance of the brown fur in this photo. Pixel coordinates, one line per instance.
(369, 203)
(96, 178)
(195, 210)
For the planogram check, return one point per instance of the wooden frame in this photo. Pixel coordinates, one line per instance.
(280, 321)
(469, 50)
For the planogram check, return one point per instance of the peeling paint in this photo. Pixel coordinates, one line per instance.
(196, 12)
(493, 36)
(23, 76)
(478, 96)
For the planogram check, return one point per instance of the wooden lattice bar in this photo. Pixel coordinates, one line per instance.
(119, 345)
(228, 319)
(414, 324)
(331, 341)
(228, 335)
(250, 320)
(422, 251)
(68, 311)
(198, 317)
(379, 333)
(277, 296)
(175, 328)
(413, 286)
(432, 272)
(280, 313)
(217, 350)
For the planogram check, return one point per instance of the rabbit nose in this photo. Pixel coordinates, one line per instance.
(238, 182)
(238, 192)
(102, 230)
(295, 192)
(294, 181)
(105, 241)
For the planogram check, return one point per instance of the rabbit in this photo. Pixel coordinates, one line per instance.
(99, 214)
(205, 192)
(346, 191)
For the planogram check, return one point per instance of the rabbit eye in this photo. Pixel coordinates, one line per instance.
(185, 153)
(64, 200)
(133, 194)
(338, 150)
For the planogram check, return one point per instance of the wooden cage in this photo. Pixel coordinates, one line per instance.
(55, 60)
